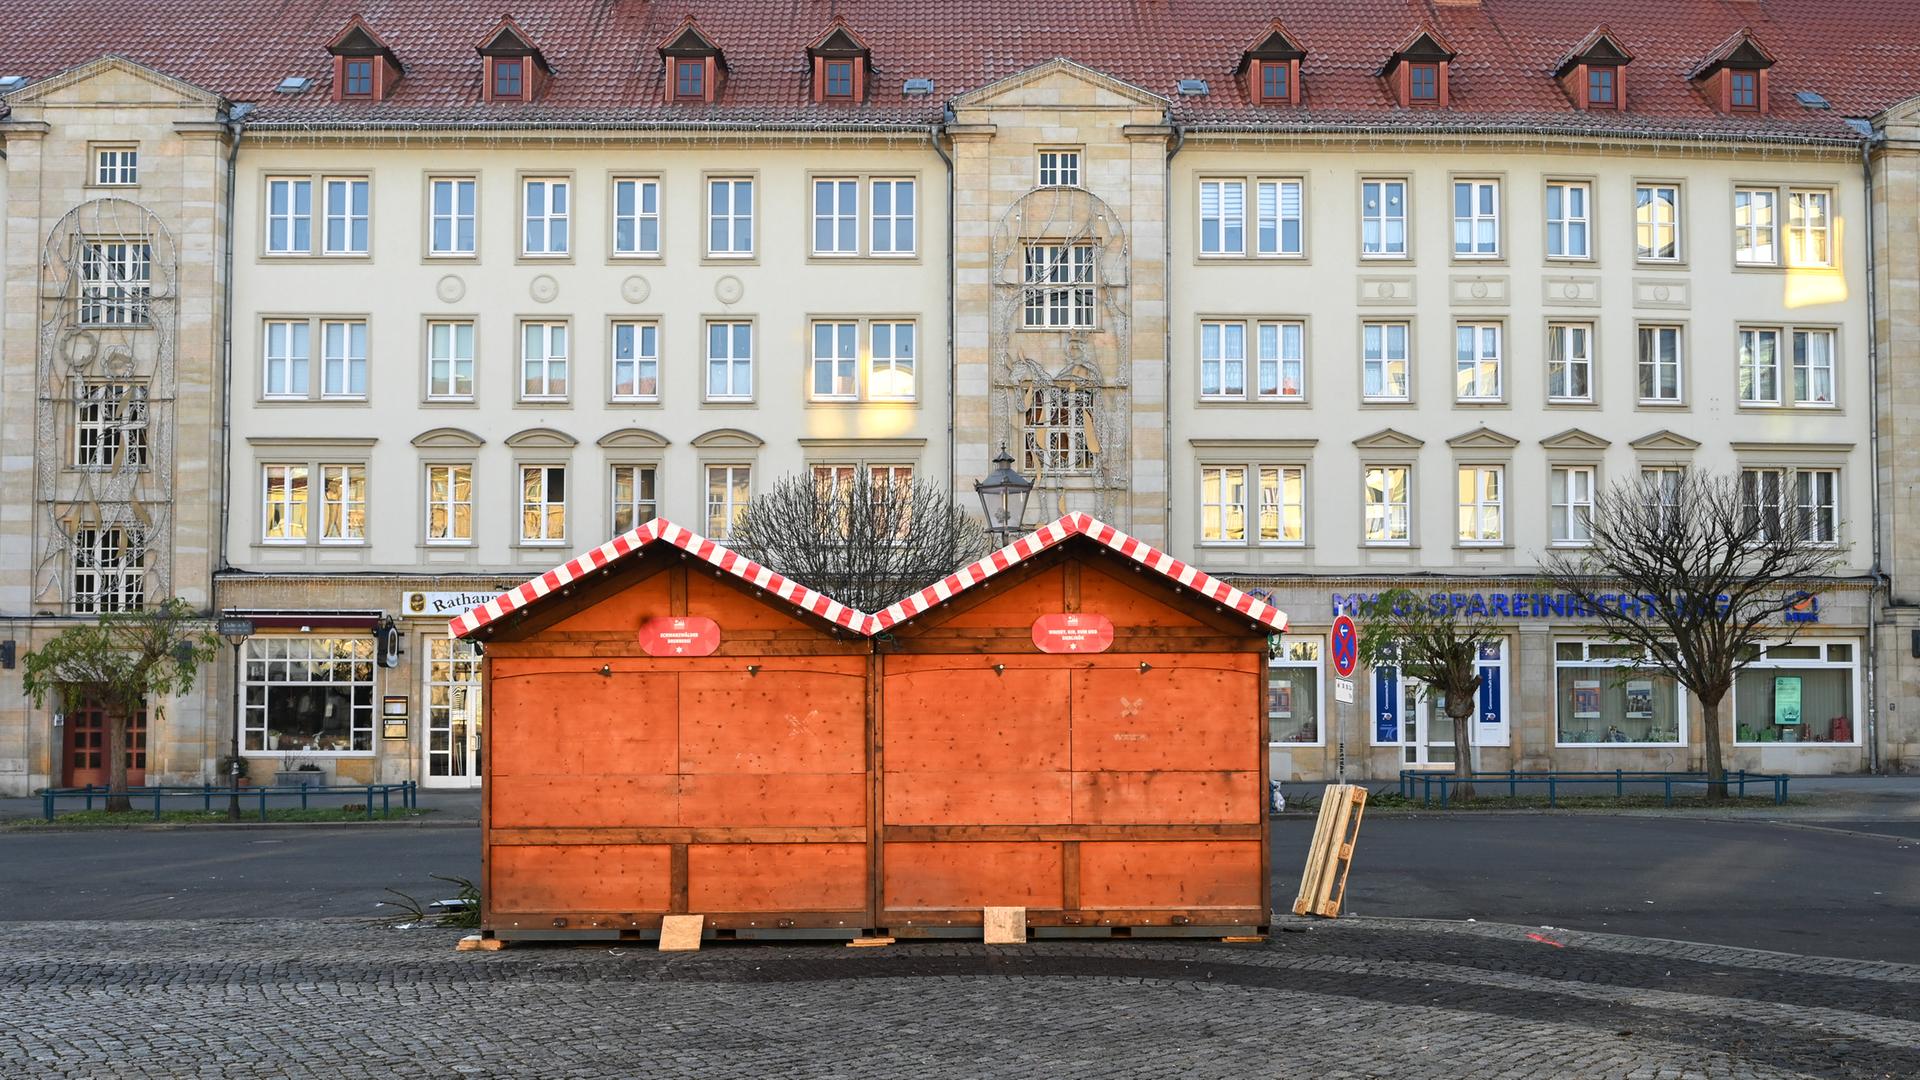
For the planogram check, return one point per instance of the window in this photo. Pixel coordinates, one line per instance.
(729, 490)
(1283, 505)
(358, 78)
(1223, 360)
(1476, 218)
(509, 78)
(1809, 233)
(636, 361)
(1388, 519)
(543, 504)
(1600, 86)
(1384, 362)
(1279, 225)
(1383, 217)
(109, 569)
(343, 359)
(1223, 217)
(1482, 504)
(1817, 503)
(1570, 362)
(1293, 691)
(1600, 699)
(836, 217)
(1423, 84)
(729, 361)
(890, 360)
(1223, 505)
(284, 504)
(1656, 222)
(450, 361)
(729, 218)
(1059, 286)
(346, 231)
(1572, 504)
(1662, 488)
(1059, 168)
(116, 166)
(840, 79)
(1477, 361)
(1799, 692)
(1659, 352)
(1760, 493)
(1057, 438)
(1759, 367)
(289, 216)
(891, 225)
(453, 212)
(1274, 82)
(634, 499)
(1813, 367)
(543, 361)
(1568, 221)
(287, 353)
(308, 695)
(1283, 362)
(1754, 222)
(110, 425)
(1743, 90)
(690, 79)
(449, 504)
(116, 282)
(835, 356)
(453, 705)
(636, 217)
(343, 504)
(545, 231)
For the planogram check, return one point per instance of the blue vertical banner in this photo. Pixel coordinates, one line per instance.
(1489, 694)
(1386, 705)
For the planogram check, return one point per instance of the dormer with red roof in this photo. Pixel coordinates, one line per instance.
(1734, 75)
(515, 69)
(1417, 73)
(1594, 72)
(364, 68)
(1271, 67)
(841, 63)
(694, 63)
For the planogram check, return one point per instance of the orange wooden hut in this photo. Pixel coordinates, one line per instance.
(1075, 725)
(672, 728)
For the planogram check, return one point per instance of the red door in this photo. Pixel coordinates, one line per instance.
(87, 747)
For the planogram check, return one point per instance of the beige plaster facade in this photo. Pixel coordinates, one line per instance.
(1896, 180)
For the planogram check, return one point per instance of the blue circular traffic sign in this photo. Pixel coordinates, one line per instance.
(1345, 647)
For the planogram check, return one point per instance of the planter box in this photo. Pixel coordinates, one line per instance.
(299, 778)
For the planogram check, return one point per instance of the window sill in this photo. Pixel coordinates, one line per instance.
(1659, 403)
(1251, 403)
(1480, 403)
(1565, 260)
(1660, 264)
(1572, 403)
(634, 256)
(1616, 746)
(1810, 744)
(346, 256)
(450, 402)
(633, 402)
(305, 754)
(542, 403)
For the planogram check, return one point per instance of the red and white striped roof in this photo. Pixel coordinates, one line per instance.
(660, 530)
(1099, 531)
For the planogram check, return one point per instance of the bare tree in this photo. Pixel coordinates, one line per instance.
(122, 661)
(860, 536)
(1435, 644)
(1697, 571)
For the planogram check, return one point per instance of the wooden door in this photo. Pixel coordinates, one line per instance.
(86, 747)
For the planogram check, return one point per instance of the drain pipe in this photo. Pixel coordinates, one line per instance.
(1166, 322)
(236, 121)
(953, 376)
(1875, 591)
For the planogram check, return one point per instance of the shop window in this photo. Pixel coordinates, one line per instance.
(1601, 698)
(1798, 693)
(308, 695)
(1293, 692)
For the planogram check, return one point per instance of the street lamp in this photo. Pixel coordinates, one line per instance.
(236, 631)
(1003, 499)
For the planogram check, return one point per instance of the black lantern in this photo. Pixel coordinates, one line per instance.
(1003, 499)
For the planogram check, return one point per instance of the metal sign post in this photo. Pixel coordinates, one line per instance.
(1344, 644)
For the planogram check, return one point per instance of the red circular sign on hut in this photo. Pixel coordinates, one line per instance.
(679, 635)
(1073, 632)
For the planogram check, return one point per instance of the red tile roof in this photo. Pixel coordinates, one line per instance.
(1862, 55)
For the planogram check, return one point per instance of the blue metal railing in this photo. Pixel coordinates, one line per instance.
(1554, 779)
(408, 791)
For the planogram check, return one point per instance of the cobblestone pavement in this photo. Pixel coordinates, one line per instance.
(1353, 999)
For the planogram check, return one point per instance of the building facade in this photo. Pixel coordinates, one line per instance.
(1321, 312)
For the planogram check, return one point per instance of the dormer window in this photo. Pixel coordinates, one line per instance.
(515, 69)
(693, 64)
(1418, 74)
(840, 61)
(1593, 73)
(1271, 67)
(364, 68)
(1734, 76)
(689, 79)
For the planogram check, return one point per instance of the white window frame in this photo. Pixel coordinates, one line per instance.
(353, 217)
(840, 217)
(1758, 382)
(1470, 528)
(1570, 498)
(110, 424)
(1651, 360)
(1646, 245)
(277, 493)
(339, 484)
(1479, 367)
(286, 372)
(641, 503)
(1288, 338)
(839, 362)
(1057, 166)
(1665, 481)
(1763, 491)
(1053, 432)
(727, 361)
(1386, 509)
(109, 569)
(116, 166)
(894, 362)
(1223, 217)
(1305, 653)
(637, 220)
(116, 281)
(451, 353)
(1590, 661)
(1286, 192)
(635, 360)
(1816, 504)
(1258, 491)
(343, 359)
(1756, 243)
(551, 223)
(284, 229)
(1788, 665)
(314, 666)
(1223, 360)
(1385, 362)
(725, 507)
(1382, 246)
(1569, 362)
(454, 218)
(1061, 288)
(1803, 233)
(731, 219)
(544, 508)
(894, 222)
(1481, 227)
(1568, 226)
(1805, 371)
(1223, 494)
(549, 359)
(448, 475)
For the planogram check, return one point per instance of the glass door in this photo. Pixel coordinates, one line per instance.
(453, 714)
(1428, 730)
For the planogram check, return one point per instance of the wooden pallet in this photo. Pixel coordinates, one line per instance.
(1323, 885)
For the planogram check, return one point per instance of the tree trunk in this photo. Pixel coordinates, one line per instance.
(117, 801)
(1462, 746)
(1716, 765)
